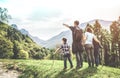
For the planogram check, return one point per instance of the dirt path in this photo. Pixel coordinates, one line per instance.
(4, 73)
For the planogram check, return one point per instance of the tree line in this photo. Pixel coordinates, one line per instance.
(110, 39)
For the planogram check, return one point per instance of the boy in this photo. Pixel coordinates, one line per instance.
(66, 53)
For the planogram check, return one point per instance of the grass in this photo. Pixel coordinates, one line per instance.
(54, 69)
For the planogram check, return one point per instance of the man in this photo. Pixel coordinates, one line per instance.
(77, 46)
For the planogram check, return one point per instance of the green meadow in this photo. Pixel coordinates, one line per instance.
(54, 69)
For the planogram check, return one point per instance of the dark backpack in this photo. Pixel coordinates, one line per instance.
(78, 34)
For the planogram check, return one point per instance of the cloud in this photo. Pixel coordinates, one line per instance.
(43, 14)
(44, 18)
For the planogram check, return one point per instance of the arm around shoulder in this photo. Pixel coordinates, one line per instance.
(95, 38)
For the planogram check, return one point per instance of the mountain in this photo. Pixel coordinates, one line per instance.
(51, 43)
(35, 39)
(104, 24)
(25, 32)
(56, 40)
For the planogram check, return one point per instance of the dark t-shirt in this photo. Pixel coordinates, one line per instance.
(76, 46)
(73, 32)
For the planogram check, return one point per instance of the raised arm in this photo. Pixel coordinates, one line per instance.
(66, 25)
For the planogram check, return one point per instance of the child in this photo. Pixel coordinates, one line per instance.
(66, 53)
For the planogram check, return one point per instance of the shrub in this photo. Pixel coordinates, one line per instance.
(23, 54)
(39, 55)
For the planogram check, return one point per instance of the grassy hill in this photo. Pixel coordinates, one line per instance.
(54, 69)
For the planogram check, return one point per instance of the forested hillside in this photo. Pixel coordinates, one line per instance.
(14, 44)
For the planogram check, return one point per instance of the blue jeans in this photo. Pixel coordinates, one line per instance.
(67, 56)
(96, 55)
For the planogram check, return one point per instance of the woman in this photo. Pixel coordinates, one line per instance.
(89, 36)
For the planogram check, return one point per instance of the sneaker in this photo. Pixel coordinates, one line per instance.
(71, 67)
(64, 68)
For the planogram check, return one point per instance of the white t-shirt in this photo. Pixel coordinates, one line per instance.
(89, 38)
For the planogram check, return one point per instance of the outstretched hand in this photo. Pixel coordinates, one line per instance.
(65, 25)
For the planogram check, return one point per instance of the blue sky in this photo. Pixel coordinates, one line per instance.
(44, 18)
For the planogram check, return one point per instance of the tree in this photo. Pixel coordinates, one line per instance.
(97, 27)
(115, 50)
(4, 17)
(6, 48)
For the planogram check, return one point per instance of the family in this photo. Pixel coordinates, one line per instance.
(81, 41)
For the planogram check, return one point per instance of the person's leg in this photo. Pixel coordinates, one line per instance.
(65, 62)
(70, 61)
(77, 60)
(81, 58)
(92, 55)
(88, 54)
(96, 55)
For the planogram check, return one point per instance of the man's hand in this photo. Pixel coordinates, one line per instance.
(65, 25)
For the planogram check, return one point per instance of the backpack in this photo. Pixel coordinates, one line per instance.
(78, 34)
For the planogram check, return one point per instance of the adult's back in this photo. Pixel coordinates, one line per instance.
(78, 34)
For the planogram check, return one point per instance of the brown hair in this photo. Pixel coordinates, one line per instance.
(64, 40)
(76, 22)
(89, 30)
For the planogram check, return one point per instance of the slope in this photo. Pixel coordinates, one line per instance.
(14, 44)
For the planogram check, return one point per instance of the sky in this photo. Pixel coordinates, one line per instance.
(44, 18)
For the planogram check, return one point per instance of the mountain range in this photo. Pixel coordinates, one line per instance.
(56, 40)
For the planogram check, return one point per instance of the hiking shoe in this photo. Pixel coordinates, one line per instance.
(64, 68)
(71, 67)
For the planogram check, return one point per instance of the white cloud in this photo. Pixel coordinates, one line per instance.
(44, 18)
